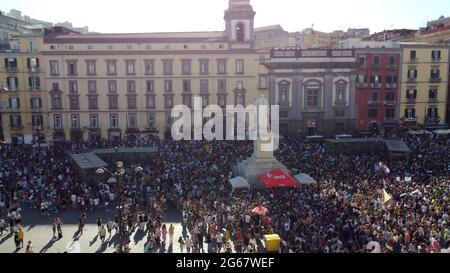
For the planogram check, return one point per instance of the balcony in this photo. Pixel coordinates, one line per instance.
(432, 119)
(392, 67)
(411, 101)
(340, 103)
(389, 119)
(34, 70)
(36, 109)
(414, 60)
(376, 66)
(361, 85)
(389, 102)
(391, 85)
(34, 88)
(409, 119)
(374, 102)
(433, 100)
(14, 109)
(435, 80)
(10, 69)
(435, 59)
(376, 85)
(16, 127)
(412, 80)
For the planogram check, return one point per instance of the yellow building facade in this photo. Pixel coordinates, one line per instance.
(124, 86)
(423, 91)
(24, 115)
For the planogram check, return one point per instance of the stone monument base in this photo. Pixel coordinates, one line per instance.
(253, 167)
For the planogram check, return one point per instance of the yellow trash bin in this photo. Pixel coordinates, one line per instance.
(272, 242)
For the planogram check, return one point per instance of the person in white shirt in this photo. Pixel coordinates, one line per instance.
(188, 244)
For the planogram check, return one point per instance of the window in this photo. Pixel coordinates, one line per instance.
(205, 100)
(340, 92)
(391, 60)
(129, 64)
(91, 69)
(93, 121)
(432, 94)
(72, 68)
(14, 103)
(186, 67)
(362, 61)
(373, 113)
(131, 86)
(15, 121)
(390, 96)
(151, 120)
(54, 68)
(390, 113)
(111, 67)
(204, 86)
(187, 86)
(168, 101)
(239, 85)
(240, 32)
(112, 101)
(411, 94)
(74, 103)
(75, 121)
(222, 85)
(131, 101)
(412, 55)
(204, 66)
(150, 101)
(93, 102)
(13, 83)
(284, 87)
(262, 81)
(339, 113)
(187, 100)
(240, 98)
(112, 86)
(92, 86)
(33, 64)
(149, 67)
(73, 87)
(35, 103)
(167, 67)
(312, 97)
(412, 74)
(432, 113)
(10, 65)
(34, 83)
(168, 86)
(37, 121)
(150, 86)
(222, 100)
(240, 66)
(376, 60)
(168, 120)
(32, 46)
(376, 80)
(284, 114)
(113, 121)
(222, 66)
(57, 121)
(132, 120)
(435, 72)
(435, 55)
(374, 97)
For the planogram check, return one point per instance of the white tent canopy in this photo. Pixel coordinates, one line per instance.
(442, 132)
(420, 132)
(305, 179)
(239, 183)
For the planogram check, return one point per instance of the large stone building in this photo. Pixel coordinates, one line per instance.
(123, 86)
(423, 90)
(22, 91)
(377, 86)
(315, 90)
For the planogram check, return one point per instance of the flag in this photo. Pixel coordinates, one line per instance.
(386, 196)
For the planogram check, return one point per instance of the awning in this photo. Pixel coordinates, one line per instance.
(278, 179)
(305, 179)
(239, 183)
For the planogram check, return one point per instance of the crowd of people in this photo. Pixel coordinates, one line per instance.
(343, 212)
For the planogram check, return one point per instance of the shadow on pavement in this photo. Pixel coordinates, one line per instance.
(6, 238)
(102, 247)
(93, 240)
(138, 236)
(47, 246)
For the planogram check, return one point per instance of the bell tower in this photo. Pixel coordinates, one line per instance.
(239, 19)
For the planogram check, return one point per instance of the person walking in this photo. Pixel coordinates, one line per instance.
(171, 233)
(81, 222)
(16, 239)
(29, 248)
(188, 244)
(181, 242)
(99, 224)
(59, 228)
(103, 233)
(110, 226)
(20, 237)
(54, 226)
(3, 226)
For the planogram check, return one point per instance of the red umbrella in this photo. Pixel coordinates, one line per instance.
(260, 210)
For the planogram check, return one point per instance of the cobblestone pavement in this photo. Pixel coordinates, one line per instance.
(38, 229)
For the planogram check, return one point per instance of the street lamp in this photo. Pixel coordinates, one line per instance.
(116, 178)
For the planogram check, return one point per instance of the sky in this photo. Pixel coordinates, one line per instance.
(131, 16)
